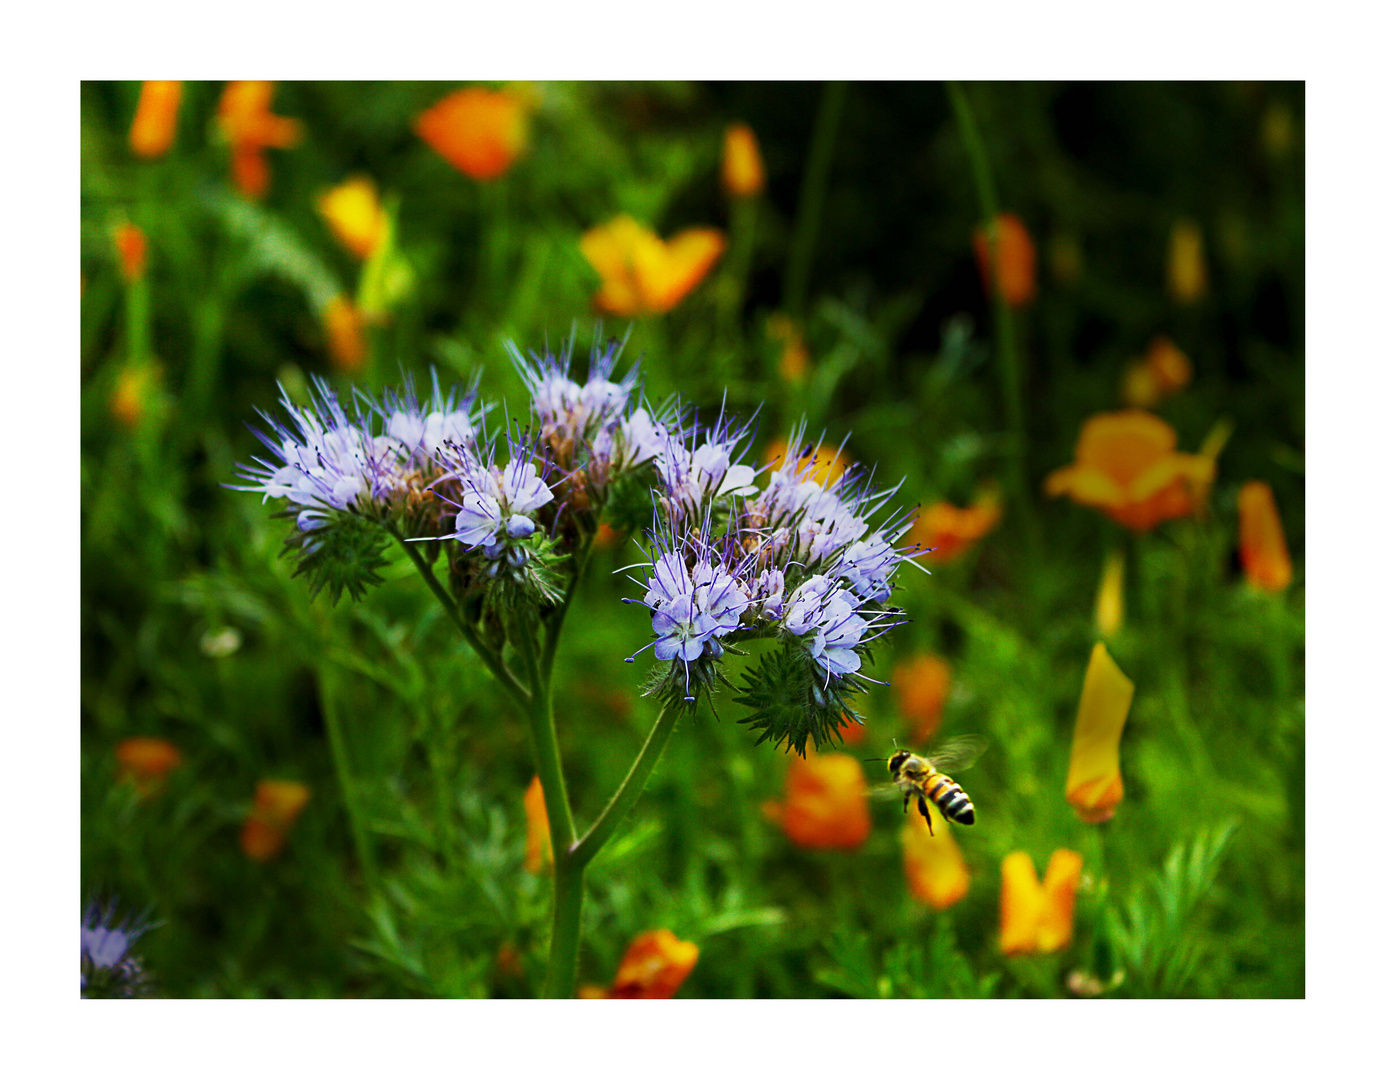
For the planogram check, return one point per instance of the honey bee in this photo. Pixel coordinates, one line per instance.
(922, 779)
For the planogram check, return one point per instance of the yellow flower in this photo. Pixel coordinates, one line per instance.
(346, 334)
(1110, 607)
(1127, 467)
(1094, 764)
(921, 687)
(951, 530)
(146, 762)
(642, 274)
(934, 866)
(538, 840)
(1265, 557)
(134, 392)
(277, 806)
(825, 802)
(1016, 257)
(654, 966)
(1188, 276)
(794, 357)
(1035, 917)
(156, 119)
(133, 249)
(250, 128)
(479, 132)
(353, 211)
(1164, 370)
(743, 172)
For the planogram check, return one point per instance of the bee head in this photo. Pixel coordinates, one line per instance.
(897, 759)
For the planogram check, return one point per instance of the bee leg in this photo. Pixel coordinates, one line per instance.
(907, 804)
(924, 809)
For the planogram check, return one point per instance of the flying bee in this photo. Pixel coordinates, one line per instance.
(922, 779)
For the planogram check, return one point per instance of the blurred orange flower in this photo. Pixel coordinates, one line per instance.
(654, 966)
(156, 119)
(1127, 467)
(346, 334)
(743, 172)
(277, 806)
(853, 733)
(642, 274)
(607, 537)
(921, 686)
(538, 840)
(1110, 608)
(133, 249)
(479, 132)
(950, 530)
(134, 392)
(825, 802)
(934, 866)
(1016, 254)
(1188, 275)
(794, 357)
(1094, 764)
(829, 463)
(145, 762)
(354, 213)
(1164, 370)
(250, 128)
(1265, 556)
(1035, 917)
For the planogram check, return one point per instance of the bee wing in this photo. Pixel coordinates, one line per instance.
(958, 754)
(886, 790)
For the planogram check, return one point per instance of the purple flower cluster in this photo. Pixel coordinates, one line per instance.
(796, 560)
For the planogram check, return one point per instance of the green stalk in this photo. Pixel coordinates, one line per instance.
(811, 197)
(332, 718)
(1007, 345)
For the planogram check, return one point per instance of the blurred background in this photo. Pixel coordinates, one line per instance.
(304, 799)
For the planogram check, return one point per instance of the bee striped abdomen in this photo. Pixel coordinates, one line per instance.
(949, 797)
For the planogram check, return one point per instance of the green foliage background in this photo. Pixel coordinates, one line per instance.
(1197, 885)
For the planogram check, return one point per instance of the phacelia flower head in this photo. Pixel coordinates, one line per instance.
(422, 429)
(498, 503)
(703, 465)
(108, 968)
(327, 460)
(570, 414)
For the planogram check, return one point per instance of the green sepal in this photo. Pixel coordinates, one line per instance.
(790, 702)
(344, 555)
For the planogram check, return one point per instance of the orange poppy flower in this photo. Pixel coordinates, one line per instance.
(825, 802)
(934, 867)
(1016, 253)
(1110, 608)
(1127, 466)
(133, 249)
(950, 530)
(794, 357)
(743, 172)
(654, 966)
(479, 132)
(277, 806)
(921, 686)
(354, 213)
(346, 334)
(146, 762)
(1188, 275)
(642, 274)
(1035, 917)
(156, 119)
(1265, 557)
(1164, 370)
(538, 840)
(1094, 764)
(828, 463)
(250, 128)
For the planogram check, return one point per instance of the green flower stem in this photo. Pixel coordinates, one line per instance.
(332, 719)
(630, 790)
(1007, 345)
(561, 980)
(811, 197)
(493, 661)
